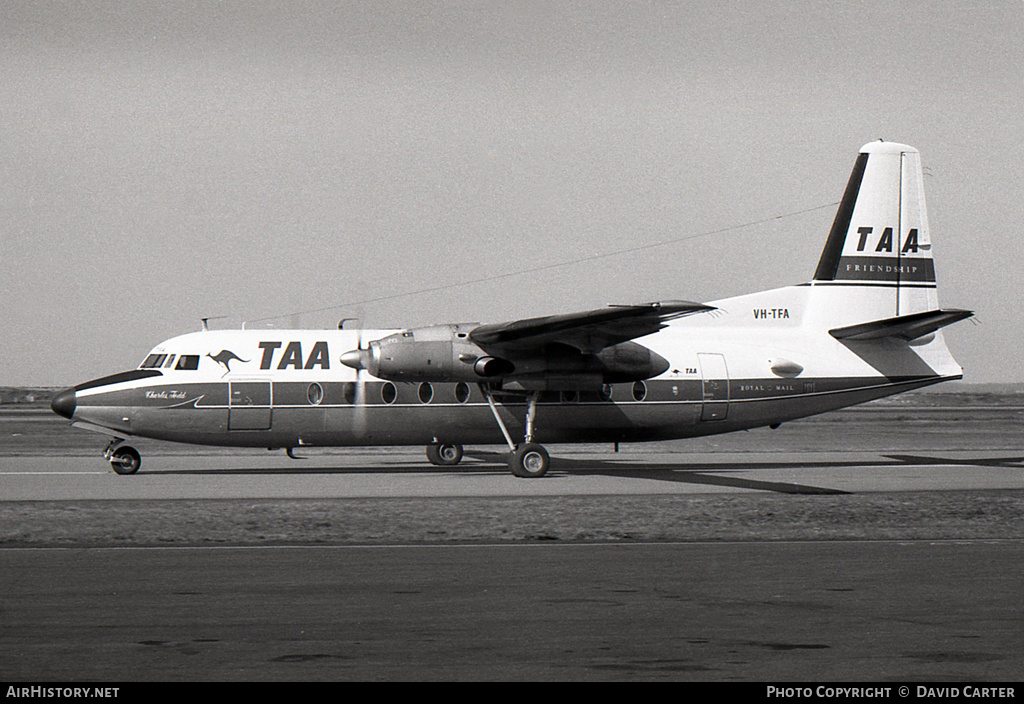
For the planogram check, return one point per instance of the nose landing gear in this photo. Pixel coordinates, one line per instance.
(444, 454)
(124, 459)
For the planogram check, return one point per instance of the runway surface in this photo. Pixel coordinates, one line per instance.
(405, 473)
(767, 612)
(879, 546)
(872, 448)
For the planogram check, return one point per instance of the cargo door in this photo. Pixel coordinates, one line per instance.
(715, 381)
(249, 405)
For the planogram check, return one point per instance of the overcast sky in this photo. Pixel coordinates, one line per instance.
(165, 161)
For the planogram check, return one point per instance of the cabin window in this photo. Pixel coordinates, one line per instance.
(639, 391)
(188, 362)
(462, 392)
(388, 393)
(426, 392)
(606, 392)
(315, 394)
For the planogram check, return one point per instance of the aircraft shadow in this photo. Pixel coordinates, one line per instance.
(1011, 462)
(701, 473)
(483, 462)
(297, 470)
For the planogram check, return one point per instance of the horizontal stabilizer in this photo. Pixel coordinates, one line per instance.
(907, 327)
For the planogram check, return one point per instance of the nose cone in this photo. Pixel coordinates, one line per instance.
(64, 403)
(357, 359)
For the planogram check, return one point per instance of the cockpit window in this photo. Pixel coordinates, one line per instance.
(188, 362)
(185, 361)
(153, 360)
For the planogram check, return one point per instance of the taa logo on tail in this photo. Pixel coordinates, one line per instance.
(885, 240)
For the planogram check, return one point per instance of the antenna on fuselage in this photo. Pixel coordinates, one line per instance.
(206, 321)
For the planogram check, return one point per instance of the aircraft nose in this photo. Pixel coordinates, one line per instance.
(64, 403)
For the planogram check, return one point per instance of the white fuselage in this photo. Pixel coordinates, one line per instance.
(755, 360)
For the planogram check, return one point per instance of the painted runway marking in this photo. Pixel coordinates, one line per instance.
(537, 545)
(14, 474)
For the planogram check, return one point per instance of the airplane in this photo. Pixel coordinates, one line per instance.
(867, 325)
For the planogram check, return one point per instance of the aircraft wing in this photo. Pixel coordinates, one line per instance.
(589, 332)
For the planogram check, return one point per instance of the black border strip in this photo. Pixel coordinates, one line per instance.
(119, 378)
(829, 262)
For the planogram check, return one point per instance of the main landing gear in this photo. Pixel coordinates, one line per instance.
(123, 458)
(528, 459)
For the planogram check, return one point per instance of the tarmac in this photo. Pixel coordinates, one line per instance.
(871, 547)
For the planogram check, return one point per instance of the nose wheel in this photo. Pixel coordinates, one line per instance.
(444, 454)
(123, 458)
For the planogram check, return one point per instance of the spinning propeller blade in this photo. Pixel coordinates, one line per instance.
(359, 413)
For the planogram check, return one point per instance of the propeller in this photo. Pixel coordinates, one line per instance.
(359, 360)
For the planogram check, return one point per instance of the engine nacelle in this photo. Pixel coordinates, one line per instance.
(566, 367)
(490, 367)
(630, 361)
(444, 353)
(439, 353)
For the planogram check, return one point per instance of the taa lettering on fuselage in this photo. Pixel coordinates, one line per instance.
(292, 356)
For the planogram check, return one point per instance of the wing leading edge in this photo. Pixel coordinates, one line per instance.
(590, 331)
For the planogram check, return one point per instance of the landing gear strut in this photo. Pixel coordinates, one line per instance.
(528, 460)
(123, 458)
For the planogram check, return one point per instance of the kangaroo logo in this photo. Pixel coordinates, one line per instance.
(224, 358)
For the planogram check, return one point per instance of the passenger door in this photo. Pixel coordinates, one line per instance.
(249, 405)
(715, 381)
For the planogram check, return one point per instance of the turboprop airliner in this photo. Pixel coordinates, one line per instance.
(866, 325)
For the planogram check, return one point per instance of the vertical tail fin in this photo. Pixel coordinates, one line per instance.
(880, 239)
